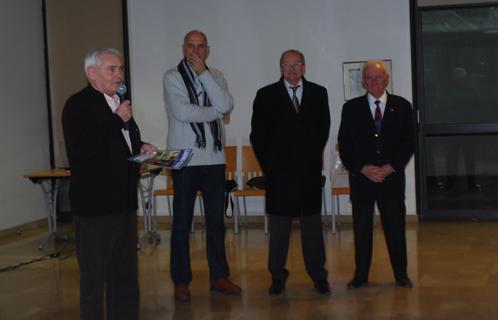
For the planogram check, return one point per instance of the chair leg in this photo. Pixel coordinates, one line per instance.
(201, 209)
(333, 214)
(236, 218)
(374, 222)
(266, 223)
(246, 223)
(245, 204)
(201, 206)
(154, 213)
(170, 212)
(237, 208)
(245, 208)
(338, 211)
(324, 203)
(153, 204)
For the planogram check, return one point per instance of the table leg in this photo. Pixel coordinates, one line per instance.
(50, 190)
(149, 216)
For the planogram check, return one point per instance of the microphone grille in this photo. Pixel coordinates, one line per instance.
(121, 90)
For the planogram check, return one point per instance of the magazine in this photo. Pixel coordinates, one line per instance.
(171, 159)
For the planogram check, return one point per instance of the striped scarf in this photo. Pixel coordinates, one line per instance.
(198, 127)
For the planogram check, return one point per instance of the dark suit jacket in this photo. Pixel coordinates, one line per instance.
(289, 147)
(359, 145)
(103, 181)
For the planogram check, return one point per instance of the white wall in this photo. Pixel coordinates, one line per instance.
(246, 39)
(23, 124)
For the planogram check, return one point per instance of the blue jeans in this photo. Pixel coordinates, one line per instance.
(210, 180)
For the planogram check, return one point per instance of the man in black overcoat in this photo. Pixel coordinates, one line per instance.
(290, 127)
(376, 141)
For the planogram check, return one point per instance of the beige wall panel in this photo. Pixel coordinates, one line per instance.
(73, 28)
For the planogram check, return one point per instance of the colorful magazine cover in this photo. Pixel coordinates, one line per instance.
(171, 159)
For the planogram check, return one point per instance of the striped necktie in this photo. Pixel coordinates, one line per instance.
(295, 101)
(378, 115)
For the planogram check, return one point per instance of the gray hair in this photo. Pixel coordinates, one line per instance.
(92, 58)
(301, 55)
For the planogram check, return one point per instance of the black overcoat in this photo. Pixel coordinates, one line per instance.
(289, 147)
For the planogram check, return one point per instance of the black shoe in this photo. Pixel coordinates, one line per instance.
(474, 186)
(355, 283)
(404, 283)
(276, 288)
(322, 287)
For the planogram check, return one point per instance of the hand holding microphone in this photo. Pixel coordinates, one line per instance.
(124, 109)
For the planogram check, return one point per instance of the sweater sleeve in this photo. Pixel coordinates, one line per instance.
(178, 103)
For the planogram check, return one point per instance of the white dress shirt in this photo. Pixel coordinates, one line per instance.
(114, 103)
(299, 91)
(373, 106)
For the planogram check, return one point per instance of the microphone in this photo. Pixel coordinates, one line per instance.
(121, 91)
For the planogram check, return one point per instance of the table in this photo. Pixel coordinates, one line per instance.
(52, 180)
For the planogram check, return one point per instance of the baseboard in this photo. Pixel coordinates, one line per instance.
(19, 229)
(251, 220)
(258, 220)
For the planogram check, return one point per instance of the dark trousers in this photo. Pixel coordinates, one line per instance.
(392, 214)
(106, 248)
(311, 241)
(210, 180)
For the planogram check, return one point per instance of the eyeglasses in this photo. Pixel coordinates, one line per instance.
(291, 65)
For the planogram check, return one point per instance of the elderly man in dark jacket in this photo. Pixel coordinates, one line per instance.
(376, 141)
(101, 135)
(290, 127)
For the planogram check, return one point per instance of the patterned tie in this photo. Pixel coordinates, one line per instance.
(378, 116)
(295, 101)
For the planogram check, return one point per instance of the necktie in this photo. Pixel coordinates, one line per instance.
(295, 101)
(378, 116)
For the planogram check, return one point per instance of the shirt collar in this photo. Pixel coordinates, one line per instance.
(382, 99)
(112, 101)
(289, 86)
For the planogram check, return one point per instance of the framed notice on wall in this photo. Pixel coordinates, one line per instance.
(351, 73)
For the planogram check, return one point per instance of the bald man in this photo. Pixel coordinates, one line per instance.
(196, 99)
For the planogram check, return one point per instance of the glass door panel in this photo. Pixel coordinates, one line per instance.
(457, 93)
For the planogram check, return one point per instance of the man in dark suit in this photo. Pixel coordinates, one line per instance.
(290, 127)
(100, 135)
(376, 141)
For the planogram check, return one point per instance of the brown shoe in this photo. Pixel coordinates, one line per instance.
(225, 286)
(182, 293)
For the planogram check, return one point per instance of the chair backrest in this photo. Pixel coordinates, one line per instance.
(250, 164)
(231, 162)
(339, 176)
(169, 179)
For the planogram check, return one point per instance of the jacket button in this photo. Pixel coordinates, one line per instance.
(378, 151)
